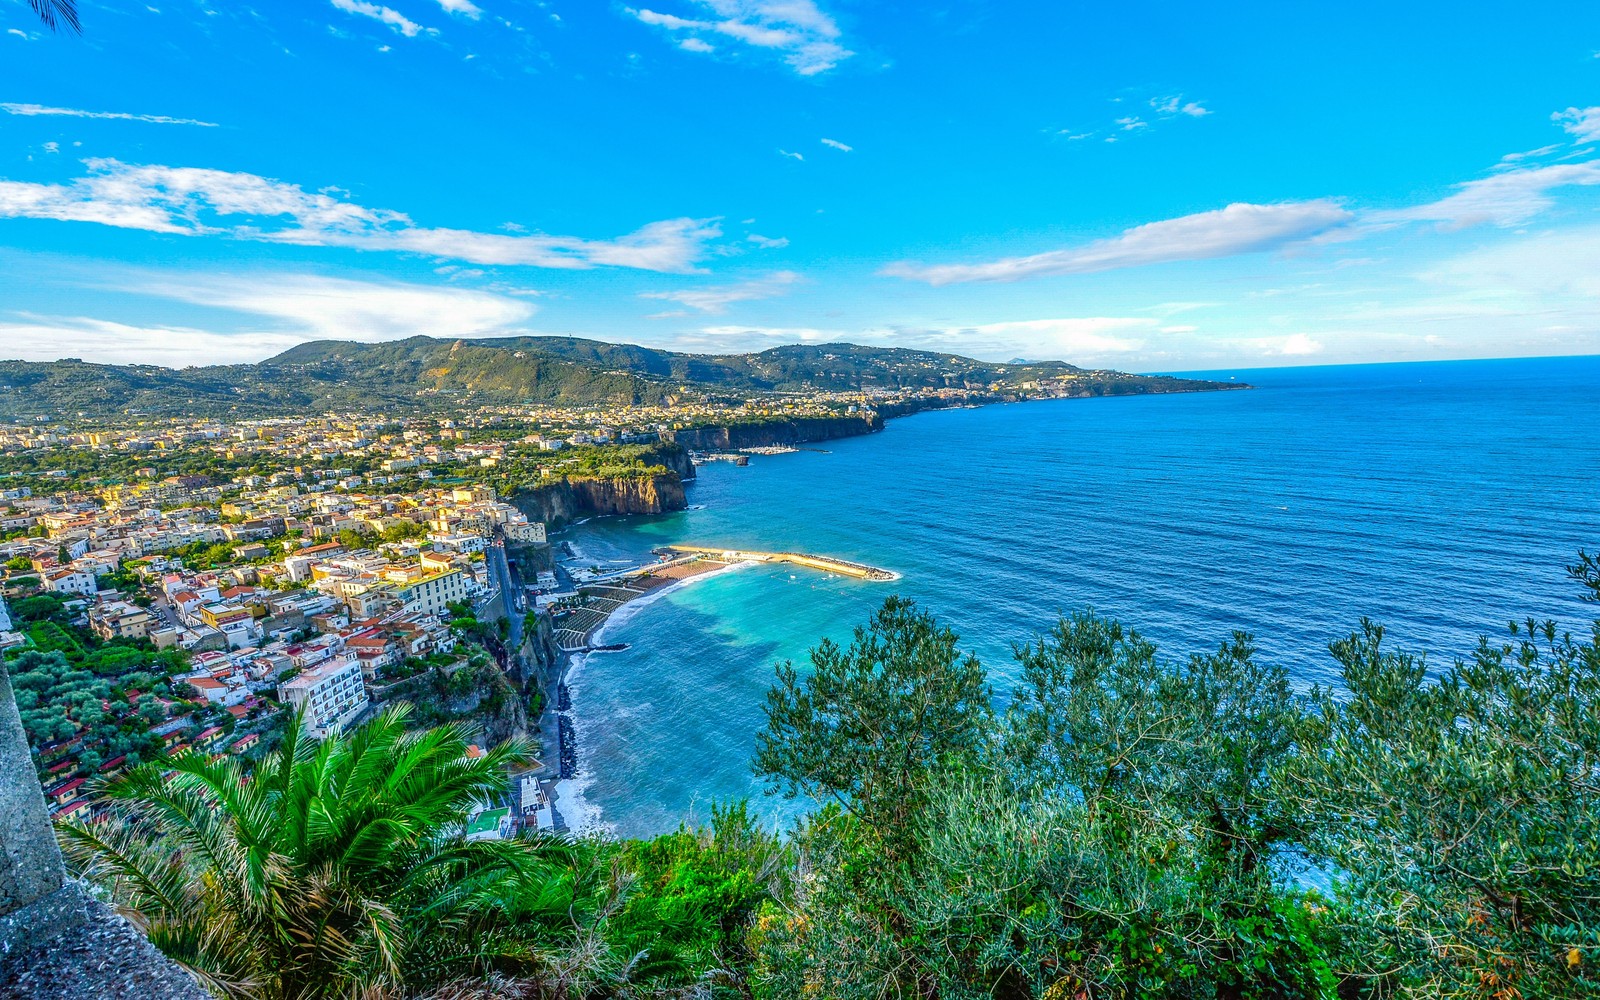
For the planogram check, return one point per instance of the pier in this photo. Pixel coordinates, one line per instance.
(827, 564)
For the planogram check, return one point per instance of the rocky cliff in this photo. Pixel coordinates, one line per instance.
(767, 433)
(655, 489)
(557, 504)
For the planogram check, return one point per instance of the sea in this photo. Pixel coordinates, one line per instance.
(1441, 500)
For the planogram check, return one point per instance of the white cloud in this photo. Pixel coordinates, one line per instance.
(315, 308)
(1582, 123)
(1132, 123)
(50, 338)
(1512, 159)
(466, 8)
(1092, 340)
(767, 242)
(388, 15)
(756, 338)
(1168, 107)
(806, 36)
(1237, 229)
(792, 156)
(277, 312)
(1508, 198)
(34, 110)
(717, 299)
(1295, 345)
(194, 201)
(19, 33)
(836, 144)
(1059, 339)
(693, 44)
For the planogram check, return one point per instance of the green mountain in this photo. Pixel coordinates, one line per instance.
(428, 373)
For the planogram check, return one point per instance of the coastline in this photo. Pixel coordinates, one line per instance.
(579, 814)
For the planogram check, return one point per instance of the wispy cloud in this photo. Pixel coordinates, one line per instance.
(1508, 198)
(768, 242)
(807, 37)
(35, 110)
(716, 300)
(466, 8)
(1069, 339)
(1237, 229)
(191, 201)
(1582, 123)
(836, 144)
(387, 15)
(275, 312)
(1511, 195)
(792, 156)
(1176, 105)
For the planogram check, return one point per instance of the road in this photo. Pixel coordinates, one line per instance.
(495, 553)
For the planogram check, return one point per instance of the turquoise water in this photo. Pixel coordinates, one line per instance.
(1440, 499)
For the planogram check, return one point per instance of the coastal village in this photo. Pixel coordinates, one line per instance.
(191, 586)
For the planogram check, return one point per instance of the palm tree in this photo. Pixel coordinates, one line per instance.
(334, 869)
(57, 12)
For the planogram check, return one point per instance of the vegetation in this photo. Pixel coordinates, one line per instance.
(103, 695)
(422, 371)
(1126, 826)
(56, 13)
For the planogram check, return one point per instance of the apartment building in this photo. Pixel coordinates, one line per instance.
(332, 695)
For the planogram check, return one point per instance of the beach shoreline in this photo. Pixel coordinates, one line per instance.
(580, 815)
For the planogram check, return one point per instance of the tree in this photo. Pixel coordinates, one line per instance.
(875, 722)
(873, 731)
(335, 869)
(1463, 810)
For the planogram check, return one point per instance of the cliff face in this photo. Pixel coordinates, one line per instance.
(653, 494)
(800, 430)
(560, 503)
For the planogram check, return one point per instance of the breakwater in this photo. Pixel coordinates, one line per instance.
(827, 564)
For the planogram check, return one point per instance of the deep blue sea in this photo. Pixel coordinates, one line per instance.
(1441, 499)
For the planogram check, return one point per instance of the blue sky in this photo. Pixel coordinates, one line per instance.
(1150, 187)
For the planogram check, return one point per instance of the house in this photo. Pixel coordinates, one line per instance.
(244, 743)
(65, 792)
(68, 581)
(119, 620)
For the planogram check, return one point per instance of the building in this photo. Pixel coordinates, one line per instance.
(490, 824)
(432, 595)
(119, 620)
(332, 696)
(69, 581)
(525, 532)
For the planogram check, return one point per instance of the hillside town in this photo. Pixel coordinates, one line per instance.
(190, 585)
(206, 612)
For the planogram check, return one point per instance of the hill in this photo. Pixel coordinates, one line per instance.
(429, 373)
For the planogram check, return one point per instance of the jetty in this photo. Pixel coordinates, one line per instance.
(827, 564)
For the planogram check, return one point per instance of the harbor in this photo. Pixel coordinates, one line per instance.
(577, 619)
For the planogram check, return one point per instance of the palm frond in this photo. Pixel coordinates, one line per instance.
(55, 13)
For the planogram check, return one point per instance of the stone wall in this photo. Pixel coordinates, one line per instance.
(55, 942)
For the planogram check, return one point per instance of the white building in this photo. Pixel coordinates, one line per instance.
(432, 595)
(69, 581)
(332, 695)
(525, 532)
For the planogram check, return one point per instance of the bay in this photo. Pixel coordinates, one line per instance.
(1440, 499)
